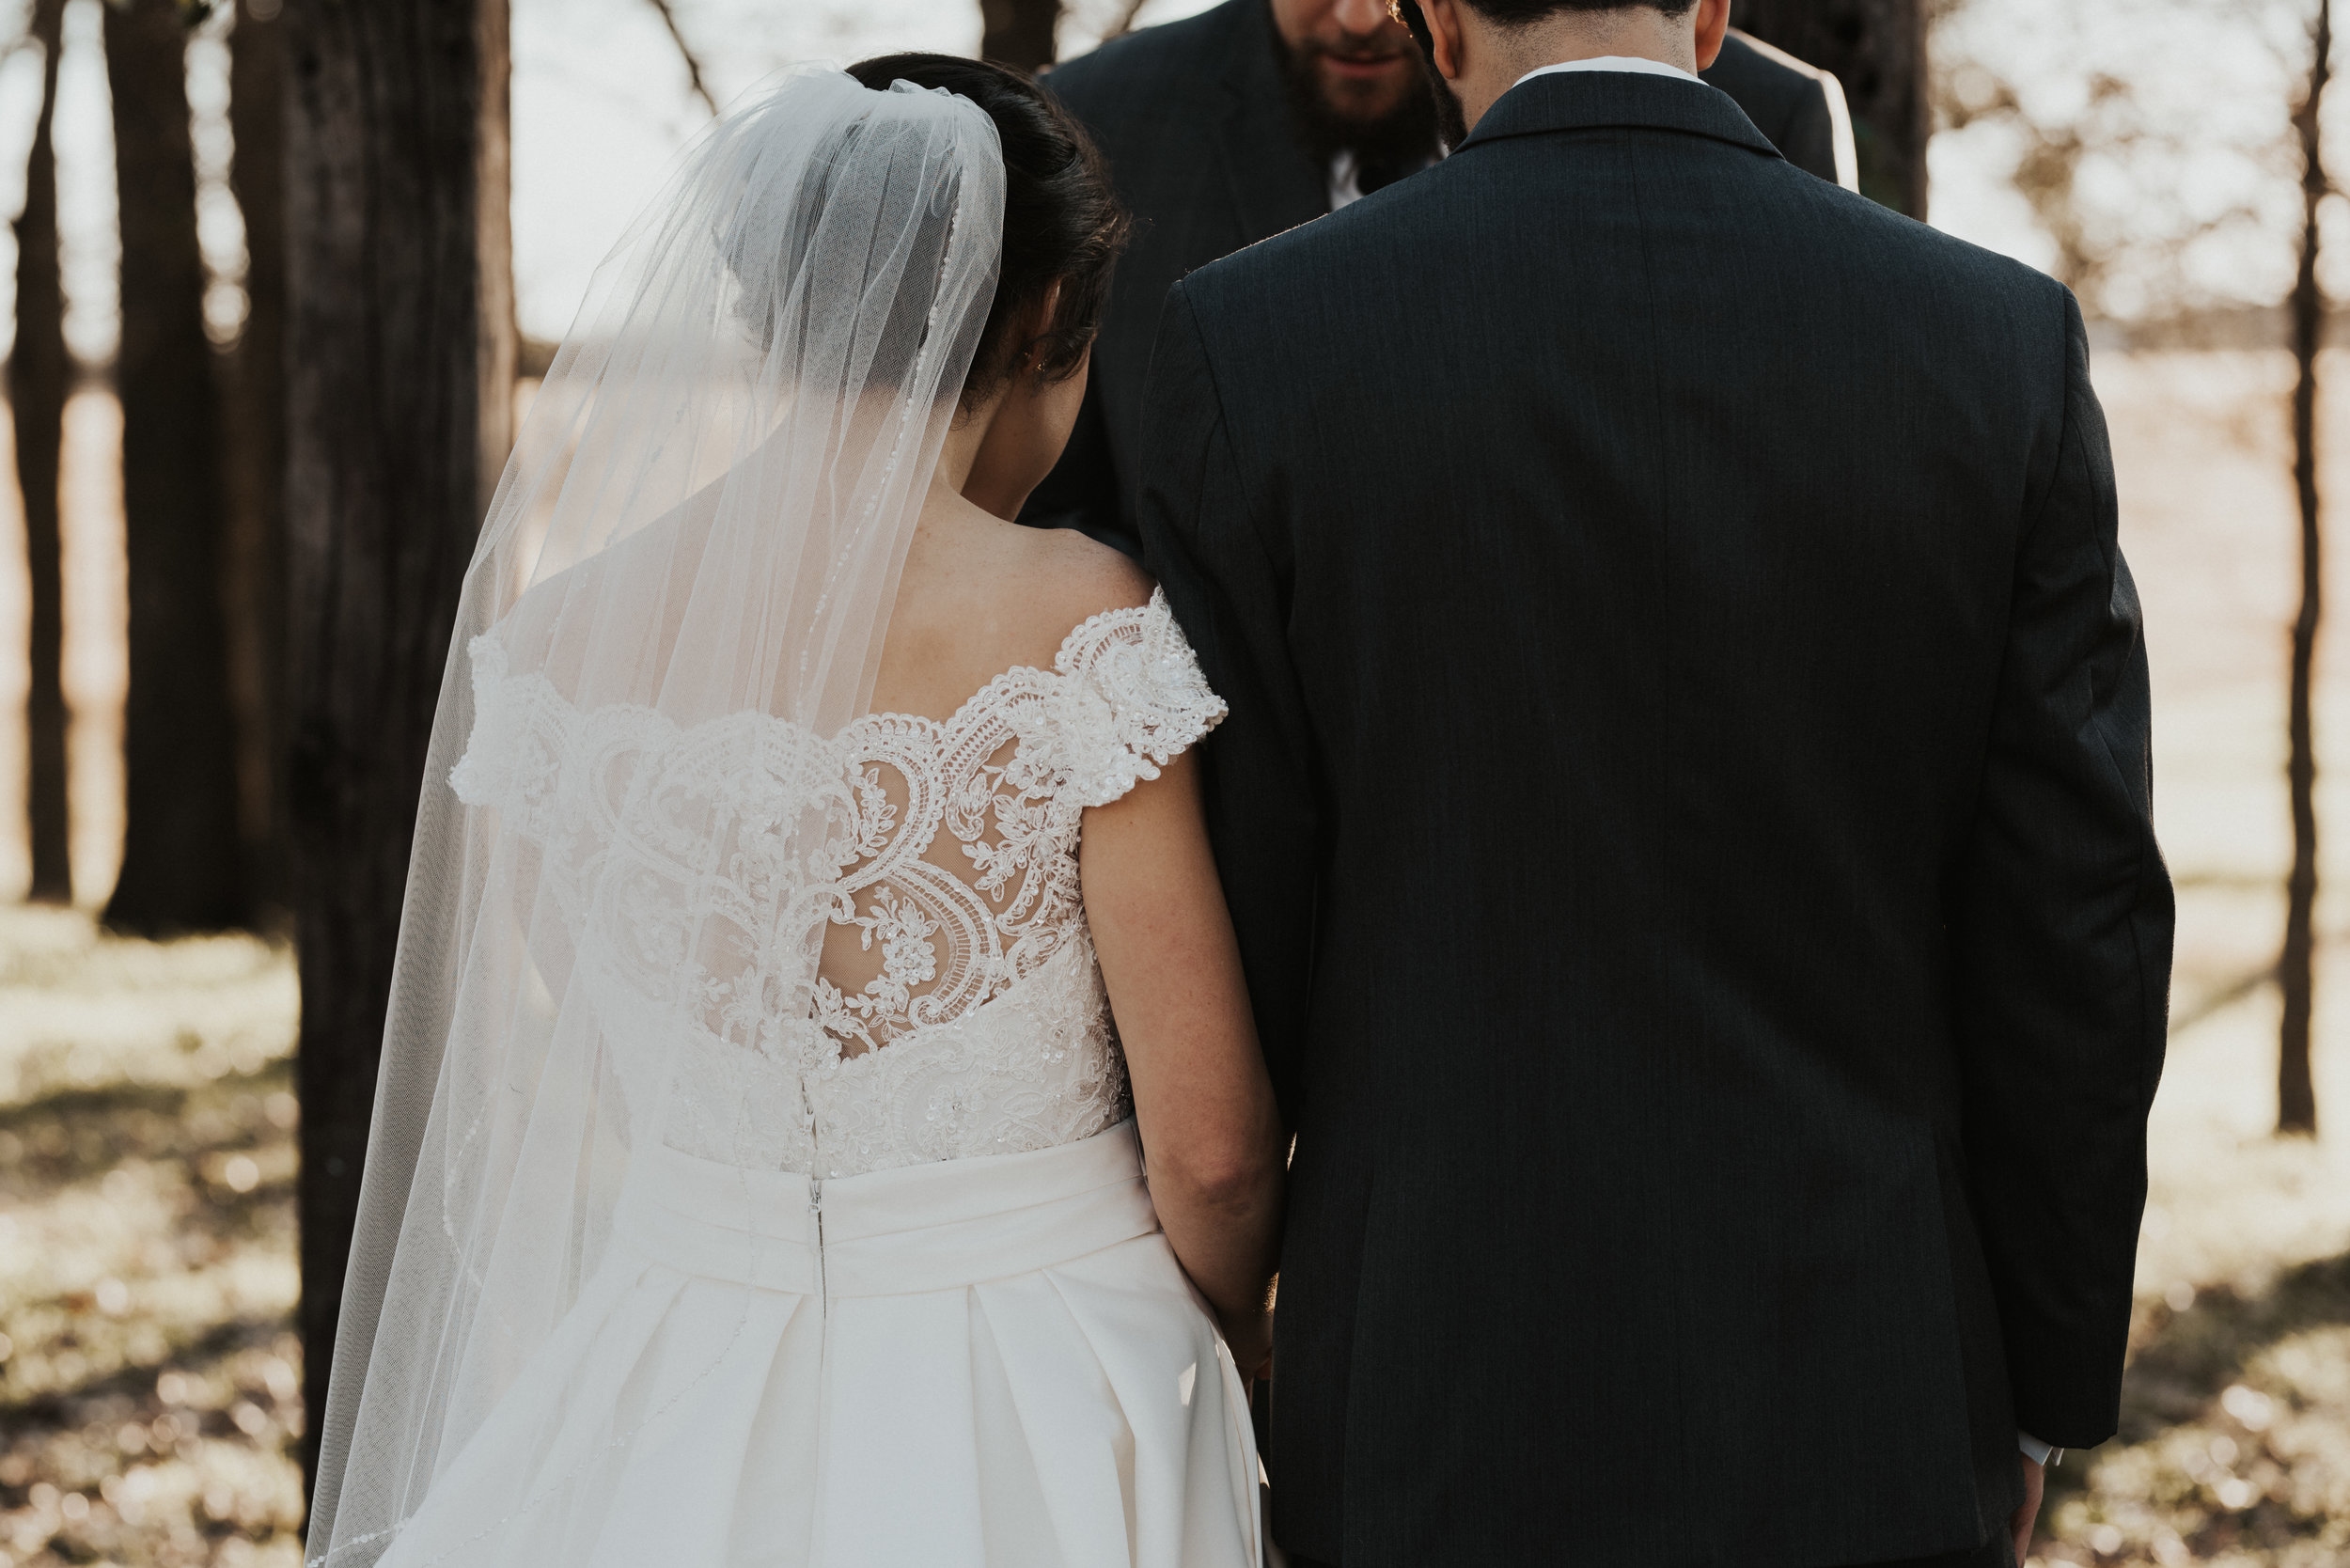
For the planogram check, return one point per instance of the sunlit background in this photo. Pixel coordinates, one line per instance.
(2140, 149)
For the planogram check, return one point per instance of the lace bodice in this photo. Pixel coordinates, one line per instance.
(697, 871)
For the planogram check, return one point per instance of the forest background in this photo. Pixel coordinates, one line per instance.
(168, 1105)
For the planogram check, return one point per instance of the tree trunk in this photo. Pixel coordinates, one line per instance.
(2297, 1098)
(1877, 48)
(181, 860)
(37, 371)
(1019, 33)
(399, 374)
(498, 340)
(254, 453)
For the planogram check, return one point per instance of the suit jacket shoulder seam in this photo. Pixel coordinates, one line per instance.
(2036, 511)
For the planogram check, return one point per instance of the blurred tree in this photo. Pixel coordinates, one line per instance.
(2136, 198)
(1019, 33)
(685, 52)
(254, 453)
(399, 365)
(182, 865)
(37, 370)
(2296, 1100)
(1877, 48)
(2047, 168)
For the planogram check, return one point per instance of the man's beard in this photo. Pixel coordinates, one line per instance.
(1404, 135)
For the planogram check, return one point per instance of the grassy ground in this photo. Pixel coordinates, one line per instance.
(149, 1393)
(2235, 1428)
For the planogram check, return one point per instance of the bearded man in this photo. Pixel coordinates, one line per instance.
(1232, 126)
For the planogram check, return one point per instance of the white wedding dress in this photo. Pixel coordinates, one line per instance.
(895, 1296)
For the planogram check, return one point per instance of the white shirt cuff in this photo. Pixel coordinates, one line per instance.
(2034, 1450)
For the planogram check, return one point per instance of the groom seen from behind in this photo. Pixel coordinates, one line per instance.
(1686, 808)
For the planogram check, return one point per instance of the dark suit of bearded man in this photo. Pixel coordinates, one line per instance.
(1221, 132)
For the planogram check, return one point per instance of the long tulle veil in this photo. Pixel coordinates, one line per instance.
(699, 535)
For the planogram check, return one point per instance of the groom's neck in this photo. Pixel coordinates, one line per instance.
(1637, 31)
(1640, 32)
(1479, 59)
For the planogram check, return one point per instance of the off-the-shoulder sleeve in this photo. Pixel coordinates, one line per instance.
(1133, 696)
(514, 757)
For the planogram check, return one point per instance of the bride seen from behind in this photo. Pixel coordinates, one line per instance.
(981, 594)
(812, 933)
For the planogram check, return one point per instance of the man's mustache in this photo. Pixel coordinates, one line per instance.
(1363, 53)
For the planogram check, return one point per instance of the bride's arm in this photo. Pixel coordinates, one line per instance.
(1210, 1135)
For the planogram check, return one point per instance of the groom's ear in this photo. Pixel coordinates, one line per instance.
(1713, 26)
(1440, 21)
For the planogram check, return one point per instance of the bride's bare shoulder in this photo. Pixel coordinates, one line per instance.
(1074, 578)
(979, 599)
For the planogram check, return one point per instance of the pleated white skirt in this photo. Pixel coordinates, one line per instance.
(991, 1362)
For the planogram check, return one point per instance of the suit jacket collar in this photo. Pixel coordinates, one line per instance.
(1593, 99)
(1273, 184)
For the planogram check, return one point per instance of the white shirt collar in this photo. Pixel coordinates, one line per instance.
(1612, 62)
(1344, 191)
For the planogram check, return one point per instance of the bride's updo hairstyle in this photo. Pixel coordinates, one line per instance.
(1062, 222)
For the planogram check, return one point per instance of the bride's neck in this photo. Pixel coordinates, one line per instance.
(964, 437)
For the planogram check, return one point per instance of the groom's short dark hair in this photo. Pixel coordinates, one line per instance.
(1518, 12)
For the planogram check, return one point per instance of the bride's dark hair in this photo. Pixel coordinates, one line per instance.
(1062, 222)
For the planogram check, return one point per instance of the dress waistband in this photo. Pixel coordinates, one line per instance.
(886, 1232)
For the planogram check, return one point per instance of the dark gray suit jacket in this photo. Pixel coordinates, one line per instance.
(1685, 810)
(1202, 147)
(1194, 120)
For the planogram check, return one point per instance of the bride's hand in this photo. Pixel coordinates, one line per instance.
(1250, 1340)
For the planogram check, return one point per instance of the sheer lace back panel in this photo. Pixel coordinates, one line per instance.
(837, 955)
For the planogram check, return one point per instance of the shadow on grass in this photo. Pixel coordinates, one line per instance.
(133, 1384)
(2230, 1448)
(79, 1134)
(151, 1418)
(2185, 1360)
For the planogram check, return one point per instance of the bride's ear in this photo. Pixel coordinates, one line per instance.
(1048, 312)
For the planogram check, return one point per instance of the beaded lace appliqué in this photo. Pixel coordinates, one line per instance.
(697, 868)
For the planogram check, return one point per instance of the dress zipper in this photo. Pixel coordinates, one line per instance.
(816, 1213)
(816, 1203)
